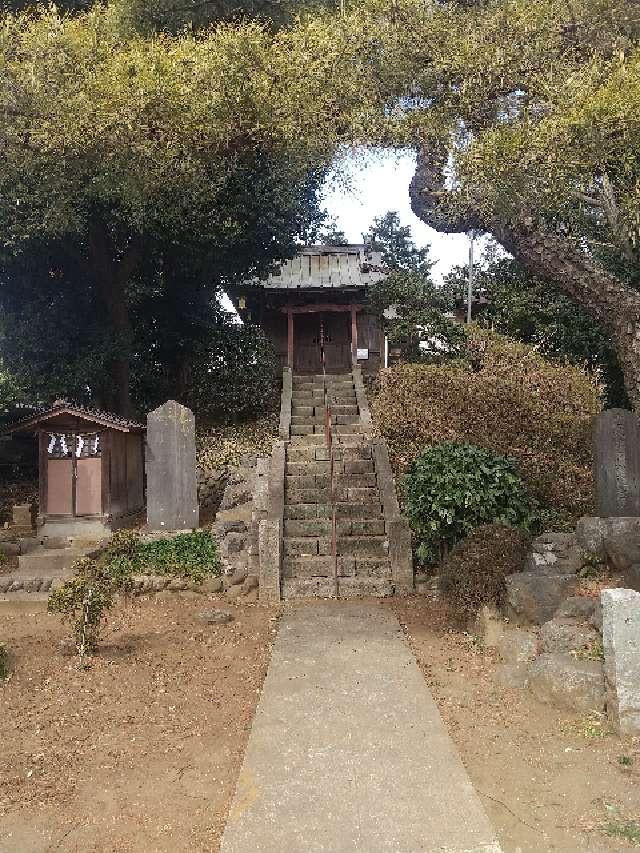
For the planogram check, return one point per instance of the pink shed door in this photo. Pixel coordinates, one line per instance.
(88, 474)
(89, 487)
(60, 487)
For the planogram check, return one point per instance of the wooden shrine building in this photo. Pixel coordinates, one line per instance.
(314, 309)
(91, 469)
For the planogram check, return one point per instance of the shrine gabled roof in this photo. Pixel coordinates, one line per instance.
(92, 417)
(330, 267)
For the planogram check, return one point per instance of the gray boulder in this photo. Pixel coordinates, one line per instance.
(561, 680)
(566, 635)
(576, 607)
(511, 675)
(554, 542)
(622, 550)
(533, 598)
(517, 646)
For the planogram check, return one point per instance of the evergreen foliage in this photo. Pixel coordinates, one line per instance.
(452, 488)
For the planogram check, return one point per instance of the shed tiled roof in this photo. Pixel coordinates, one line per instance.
(63, 407)
(326, 267)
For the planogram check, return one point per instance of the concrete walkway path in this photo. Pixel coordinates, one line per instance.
(348, 751)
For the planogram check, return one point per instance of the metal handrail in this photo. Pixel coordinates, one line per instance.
(328, 437)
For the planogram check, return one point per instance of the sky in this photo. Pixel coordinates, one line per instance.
(378, 183)
(370, 184)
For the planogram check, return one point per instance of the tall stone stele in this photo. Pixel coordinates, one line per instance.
(172, 498)
(616, 463)
(621, 641)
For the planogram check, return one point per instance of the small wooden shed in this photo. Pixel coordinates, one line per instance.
(91, 469)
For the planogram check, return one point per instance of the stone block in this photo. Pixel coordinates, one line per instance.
(616, 463)
(561, 680)
(270, 548)
(577, 607)
(621, 641)
(517, 646)
(532, 598)
(172, 500)
(566, 635)
(22, 515)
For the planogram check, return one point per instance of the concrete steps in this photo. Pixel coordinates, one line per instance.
(361, 564)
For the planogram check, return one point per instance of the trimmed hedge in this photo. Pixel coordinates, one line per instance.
(514, 403)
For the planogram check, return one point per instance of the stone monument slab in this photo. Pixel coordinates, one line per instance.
(172, 499)
(616, 463)
(621, 641)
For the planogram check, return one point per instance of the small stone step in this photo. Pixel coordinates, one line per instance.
(307, 440)
(342, 399)
(314, 587)
(359, 587)
(359, 510)
(360, 527)
(307, 546)
(307, 496)
(308, 481)
(302, 453)
(302, 429)
(360, 546)
(308, 468)
(343, 420)
(372, 567)
(313, 526)
(357, 495)
(350, 429)
(307, 567)
(324, 587)
(358, 453)
(361, 481)
(360, 466)
(298, 512)
(308, 419)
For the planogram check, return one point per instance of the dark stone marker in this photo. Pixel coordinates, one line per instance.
(172, 500)
(616, 463)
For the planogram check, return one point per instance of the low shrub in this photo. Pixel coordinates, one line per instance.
(453, 488)
(515, 403)
(84, 599)
(474, 573)
(224, 446)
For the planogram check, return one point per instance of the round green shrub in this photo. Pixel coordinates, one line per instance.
(453, 488)
(474, 573)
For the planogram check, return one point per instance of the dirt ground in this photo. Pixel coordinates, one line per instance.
(141, 751)
(549, 779)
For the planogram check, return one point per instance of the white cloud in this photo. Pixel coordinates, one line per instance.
(368, 184)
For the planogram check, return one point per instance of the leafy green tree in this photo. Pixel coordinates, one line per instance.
(395, 242)
(117, 149)
(525, 116)
(535, 312)
(412, 307)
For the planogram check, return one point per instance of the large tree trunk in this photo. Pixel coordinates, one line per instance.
(111, 274)
(552, 256)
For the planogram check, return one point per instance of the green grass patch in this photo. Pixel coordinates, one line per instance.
(191, 555)
(629, 830)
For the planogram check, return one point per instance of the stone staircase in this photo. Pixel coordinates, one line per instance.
(335, 535)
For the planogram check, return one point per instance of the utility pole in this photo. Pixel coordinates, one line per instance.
(470, 279)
